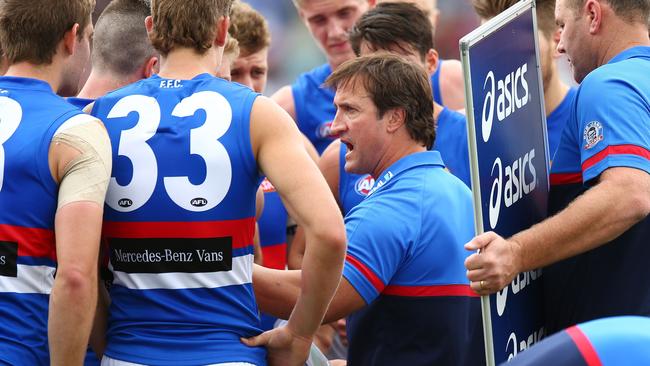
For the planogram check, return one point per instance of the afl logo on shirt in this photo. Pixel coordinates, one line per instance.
(593, 134)
(267, 186)
(364, 185)
(325, 130)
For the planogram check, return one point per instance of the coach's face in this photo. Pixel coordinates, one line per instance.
(360, 129)
(329, 22)
(574, 38)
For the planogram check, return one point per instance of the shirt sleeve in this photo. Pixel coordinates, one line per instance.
(615, 127)
(374, 251)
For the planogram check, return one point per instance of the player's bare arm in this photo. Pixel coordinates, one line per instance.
(282, 158)
(284, 98)
(619, 200)
(452, 84)
(79, 160)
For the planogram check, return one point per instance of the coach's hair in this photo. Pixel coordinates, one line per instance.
(393, 24)
(187, 23)
(31, 30)
(487, 9)
(249, 27)
(633, 11)
(391, 82)
(121, 44)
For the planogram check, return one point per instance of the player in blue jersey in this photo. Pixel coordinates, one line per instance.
(615, 341)
(308, 103)
(404, 287)
(54, 169)
(558, 97)
(447, 80)
(594, 247)
(122, 53)
(189, 152)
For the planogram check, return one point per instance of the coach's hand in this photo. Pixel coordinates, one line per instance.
(283, 346)
(495, 266)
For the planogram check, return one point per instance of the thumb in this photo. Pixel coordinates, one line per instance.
(259, 340)
(481, 241)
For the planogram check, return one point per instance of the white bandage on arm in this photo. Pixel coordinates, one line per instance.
(85, 177)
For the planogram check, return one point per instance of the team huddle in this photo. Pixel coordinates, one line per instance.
(148, 189)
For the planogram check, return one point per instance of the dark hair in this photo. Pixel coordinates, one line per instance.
(392, 82)
(393, 24)
(121, 44)
(634, 11)
(186, 23)
(487, 9)
(31, 30)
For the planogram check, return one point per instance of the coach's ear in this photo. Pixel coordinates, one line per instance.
(396, 118)
(431, 59)
(222, 31)
(372, 3)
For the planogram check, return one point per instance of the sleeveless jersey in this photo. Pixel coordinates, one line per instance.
(435, 83)
(605, 281)
(30, 115)
(556, 121)
(80, 103)
(314, 106)
(179, 222)
(273, 228)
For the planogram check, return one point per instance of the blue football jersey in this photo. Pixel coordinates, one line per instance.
(314, 105)
(179, 222)
(30, 115)
(557, 120)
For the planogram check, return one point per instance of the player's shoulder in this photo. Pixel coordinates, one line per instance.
(316, 76)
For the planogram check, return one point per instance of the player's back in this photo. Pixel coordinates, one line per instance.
(30, 114)
(179, 222)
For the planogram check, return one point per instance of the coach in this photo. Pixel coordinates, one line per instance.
(595, 247)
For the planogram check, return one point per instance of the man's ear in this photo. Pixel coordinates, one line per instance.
(150, 67)
(148, 24)
(594, 10)
(372, 3)
(432, 59)
(70, 39)
(396, 119)
(222, 31)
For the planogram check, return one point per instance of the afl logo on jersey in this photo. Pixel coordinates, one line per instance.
(364, 185)
(199, 202)
(125, 202)
(267, 186)
(325, 130)
(593, 134)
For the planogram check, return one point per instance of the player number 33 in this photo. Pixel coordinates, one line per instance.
(203, 142)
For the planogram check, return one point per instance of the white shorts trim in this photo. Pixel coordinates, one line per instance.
(107, 361)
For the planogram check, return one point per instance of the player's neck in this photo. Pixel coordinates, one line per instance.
(554, 94)
(185, 63)
(625, 37)
(99, 85)
(437, 109)
(50, 74)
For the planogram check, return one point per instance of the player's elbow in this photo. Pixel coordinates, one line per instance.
(331, 238)
(76, 282)
(640, 205)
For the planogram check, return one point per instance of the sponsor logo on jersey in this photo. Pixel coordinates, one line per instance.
(593, 134)
(8, 259)
(165, 255)
(325, 130)
(267, 186)
(364, 185)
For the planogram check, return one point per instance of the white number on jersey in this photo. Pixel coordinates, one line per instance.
(10, 116)
(203, 142)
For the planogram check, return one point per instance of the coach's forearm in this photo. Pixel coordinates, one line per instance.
(620, 200)
(321, 273)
